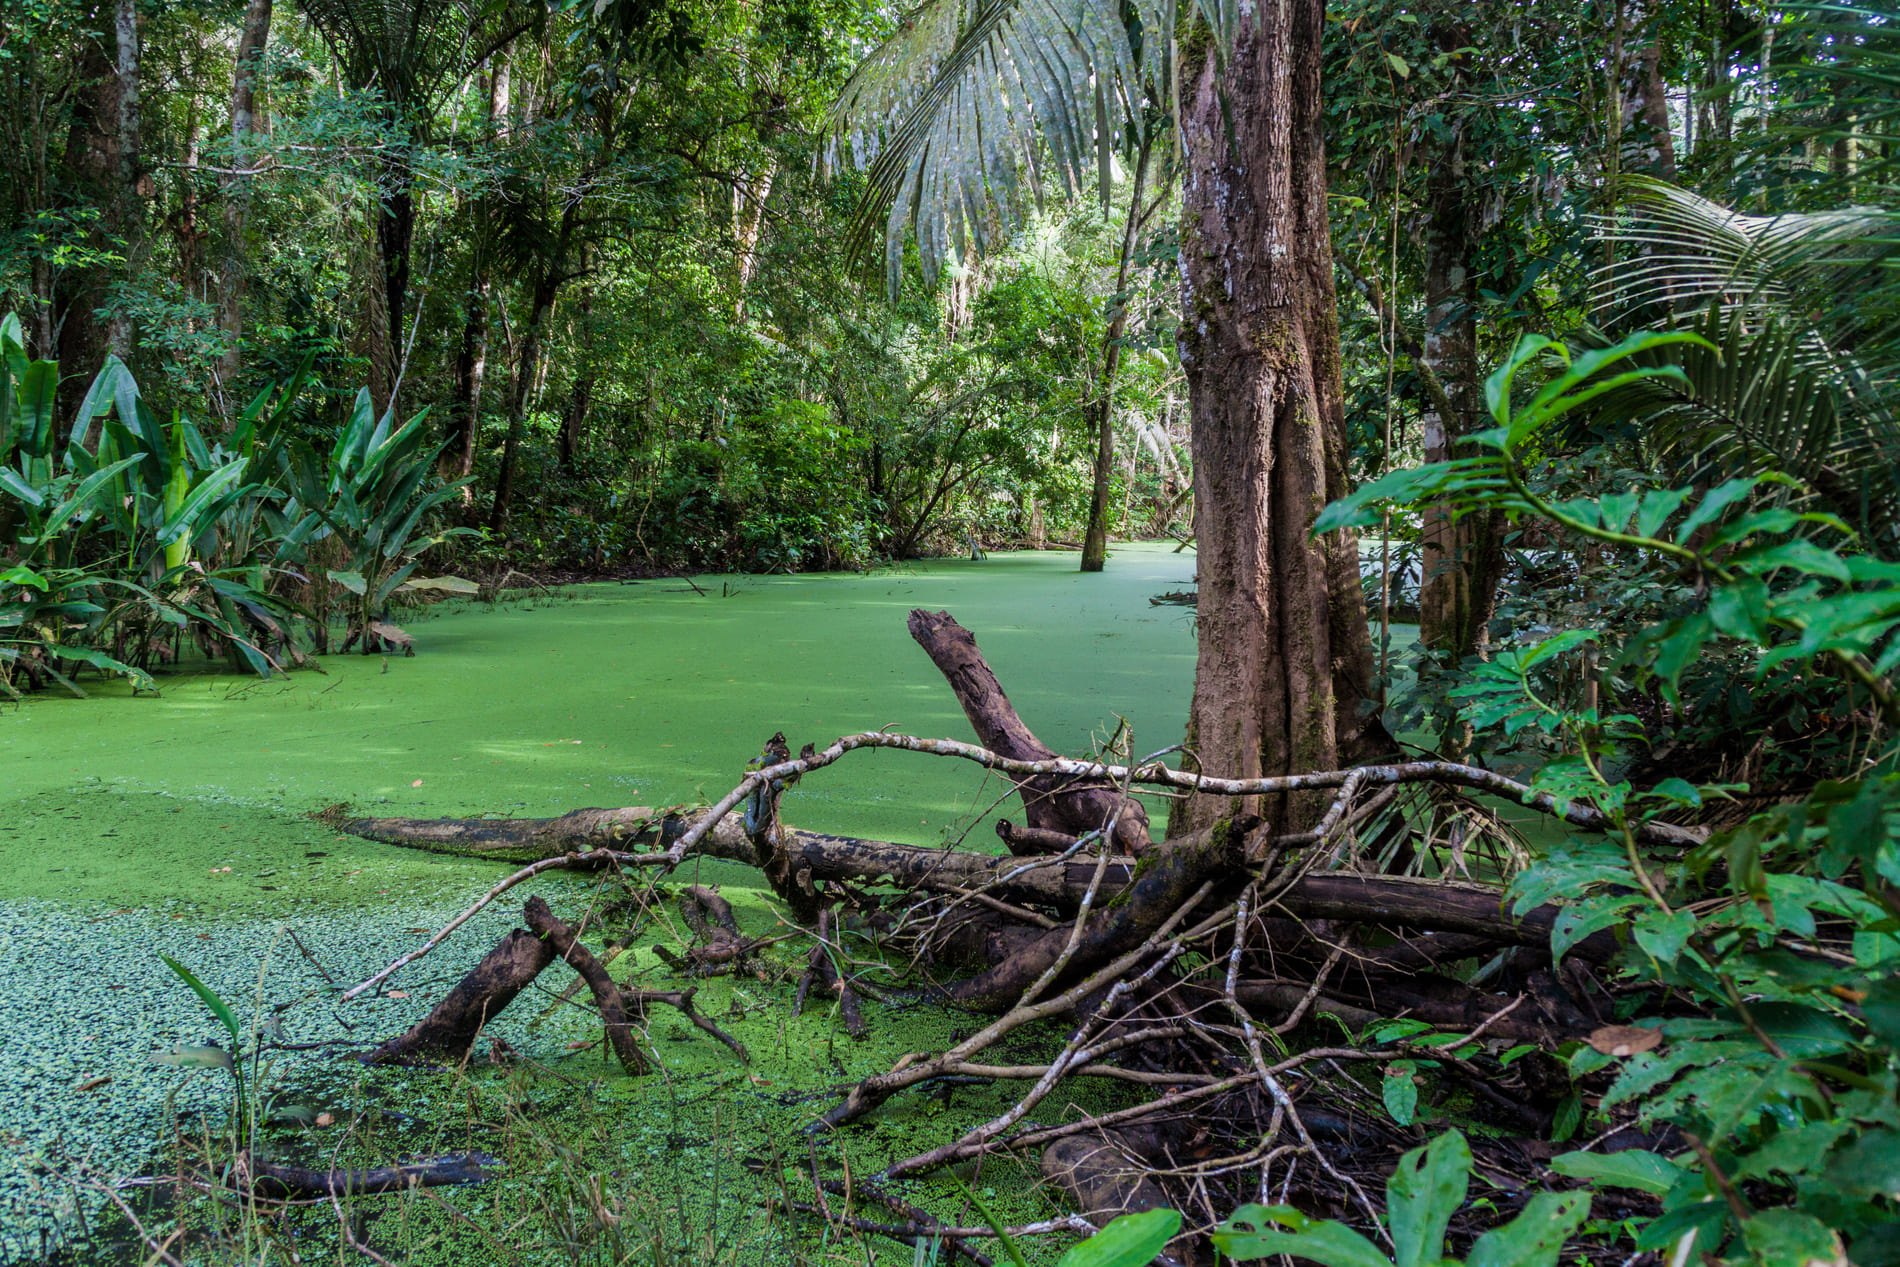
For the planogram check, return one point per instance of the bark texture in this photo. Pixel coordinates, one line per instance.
(449, 1030)
(1051, 802)
(1462, 560)
(233, 273)
(1285, 655)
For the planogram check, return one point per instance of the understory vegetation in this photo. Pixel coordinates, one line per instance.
(1567, 931)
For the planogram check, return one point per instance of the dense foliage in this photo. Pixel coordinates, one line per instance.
(571, 287)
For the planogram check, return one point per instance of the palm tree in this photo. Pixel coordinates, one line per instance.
(969, 111)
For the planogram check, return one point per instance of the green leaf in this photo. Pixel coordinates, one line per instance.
(1870, 1165)
(1132, 1240)
(23, 577)
(1400, 1092)
(1662, 937)
(1719, 499)
(1631, 1168)
(1536, 1237)
(1247, 1234)
(1788, 1236)
(1881, 1008)
(1398, 64)
(351, 581)
(1428, 1187)
(217, 1005)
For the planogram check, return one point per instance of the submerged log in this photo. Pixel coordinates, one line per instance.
(1051, 802)
(450, 1029)
(276, 1182)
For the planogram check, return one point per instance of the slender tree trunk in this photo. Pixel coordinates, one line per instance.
(1462, 560)
(748, 216)
(234, 272)
(129, 213)
(88, 170)
(1095, 541)
(471, 367)
(1285, 654)
(526, 366)
(1649, 146)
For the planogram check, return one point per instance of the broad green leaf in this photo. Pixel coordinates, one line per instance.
(1631, 1168)
(1662, 937)
(1249, 1233)
(1132, 1240)
(1717, 500)
(1788, 1236)
(1426, 1189)
(351, 581)
(23, 576)
(1536, 1237)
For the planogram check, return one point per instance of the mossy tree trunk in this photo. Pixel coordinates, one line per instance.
(1285, 654)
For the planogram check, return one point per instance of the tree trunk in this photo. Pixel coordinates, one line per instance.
(1285, 653)
(128, 205)
(1461, 561)
(581, 396)
(525, 367)
(1095, 540)
(1648, 145)
(234, 275)
(471, 367)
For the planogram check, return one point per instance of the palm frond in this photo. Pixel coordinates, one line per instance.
(1685, 251)
(961, 118)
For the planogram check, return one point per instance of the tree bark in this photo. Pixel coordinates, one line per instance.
(1285, 653)
(128, 205)
(234, 274)
(1058, 803)
(450, 1028)
(525, 366)
(1095, 539)
(1462, 561)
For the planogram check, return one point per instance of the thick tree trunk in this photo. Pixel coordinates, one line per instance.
(234, 274)
(1285, 654)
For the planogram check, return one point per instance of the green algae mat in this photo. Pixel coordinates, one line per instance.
(177, 825)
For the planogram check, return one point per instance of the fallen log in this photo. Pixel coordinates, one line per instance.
(1396, 902)
(1056, 803)
(450, 1029)
(613, 1010)
(276, 1182)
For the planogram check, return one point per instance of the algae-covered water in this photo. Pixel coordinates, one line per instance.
(135, 827)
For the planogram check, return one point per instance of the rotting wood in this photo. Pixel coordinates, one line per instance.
(277, 1182)
(613, 1010)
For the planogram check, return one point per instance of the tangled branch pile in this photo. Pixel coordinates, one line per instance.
(1190, 969)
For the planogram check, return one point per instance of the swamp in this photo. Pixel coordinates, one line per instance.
(645, 632)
